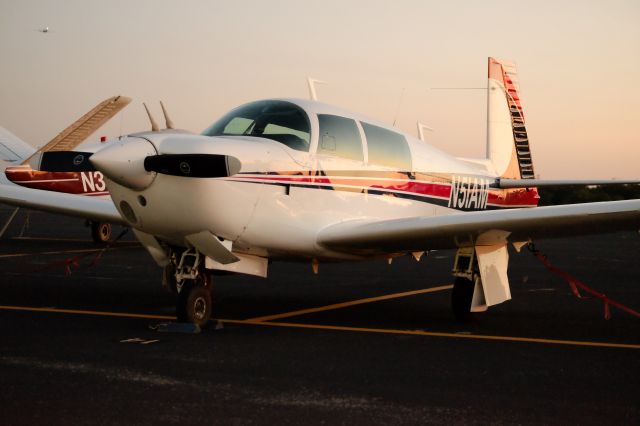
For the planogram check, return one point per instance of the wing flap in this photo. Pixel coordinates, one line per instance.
(99, 209)
(464, 229)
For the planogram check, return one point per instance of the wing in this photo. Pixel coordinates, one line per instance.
(99, 209)
(83, 127)
(468, 229)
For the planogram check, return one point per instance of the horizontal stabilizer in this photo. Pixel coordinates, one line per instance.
(540, 183)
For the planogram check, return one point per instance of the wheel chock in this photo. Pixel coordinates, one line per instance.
(177, 327)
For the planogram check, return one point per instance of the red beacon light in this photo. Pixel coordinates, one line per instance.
(103, 138)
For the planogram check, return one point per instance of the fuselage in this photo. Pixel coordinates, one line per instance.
(296, 180)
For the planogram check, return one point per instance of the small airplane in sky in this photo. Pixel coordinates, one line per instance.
(298, 179)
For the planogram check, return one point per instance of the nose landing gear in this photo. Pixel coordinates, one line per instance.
(192, 283)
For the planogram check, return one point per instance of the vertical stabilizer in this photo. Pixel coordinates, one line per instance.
(13, 150)
(507, 141)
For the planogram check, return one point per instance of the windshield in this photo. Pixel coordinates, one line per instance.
(278, 120)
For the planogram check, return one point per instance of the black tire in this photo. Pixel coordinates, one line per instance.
(100, 232)
(461, 298)
(194, 304)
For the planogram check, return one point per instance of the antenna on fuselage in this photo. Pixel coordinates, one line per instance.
(154, 125)
(312, 87)
(395, 119)
(421, 128)
(167, 120)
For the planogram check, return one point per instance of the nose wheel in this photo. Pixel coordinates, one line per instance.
(194, 304)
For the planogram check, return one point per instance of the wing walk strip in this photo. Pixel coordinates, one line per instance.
(347, 304)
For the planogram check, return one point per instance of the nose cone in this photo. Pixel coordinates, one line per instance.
(123, 162)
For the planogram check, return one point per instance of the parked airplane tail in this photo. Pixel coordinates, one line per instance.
(13, 150)
(507, 142)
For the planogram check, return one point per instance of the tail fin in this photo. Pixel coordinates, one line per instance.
(507, 141)
(13, 150)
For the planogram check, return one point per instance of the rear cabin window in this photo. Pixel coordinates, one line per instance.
(278, 120)
(387, 148)
(340, 137)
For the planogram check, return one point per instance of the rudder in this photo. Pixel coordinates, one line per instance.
(507, 141)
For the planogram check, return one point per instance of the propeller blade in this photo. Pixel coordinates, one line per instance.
(193, 165)
(66, 161)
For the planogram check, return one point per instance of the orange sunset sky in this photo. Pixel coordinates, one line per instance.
(579, 65)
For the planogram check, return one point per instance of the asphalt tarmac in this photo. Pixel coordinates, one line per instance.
(359, 343)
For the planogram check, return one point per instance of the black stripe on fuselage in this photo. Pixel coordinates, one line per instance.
(387, 193)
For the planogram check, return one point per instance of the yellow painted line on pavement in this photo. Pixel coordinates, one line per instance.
(339, 328)
(85, 312)
(436, 334)
(55, 240)
(11, 255)
(350, 303)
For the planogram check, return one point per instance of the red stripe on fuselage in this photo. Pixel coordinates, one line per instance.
(83, 183)
(442, 190)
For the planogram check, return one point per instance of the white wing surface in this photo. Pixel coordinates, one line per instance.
(99, 209)
(479, 228)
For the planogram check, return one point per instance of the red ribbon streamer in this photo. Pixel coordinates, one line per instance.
(576, 284)
(74, 262)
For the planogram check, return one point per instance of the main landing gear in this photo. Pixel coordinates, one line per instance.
(466, 273)
(100, 231)
(189, 279)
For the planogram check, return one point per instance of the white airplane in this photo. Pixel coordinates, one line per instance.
(296, 179)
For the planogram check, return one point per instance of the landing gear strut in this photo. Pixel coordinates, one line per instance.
(192, 282)
(465, 271)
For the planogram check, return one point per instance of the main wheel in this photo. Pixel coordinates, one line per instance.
(100, 232)
(461, 297)
(194, 304)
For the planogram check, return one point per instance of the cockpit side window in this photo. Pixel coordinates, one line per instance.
(387, 148)
(278, 120)
(340, 137)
